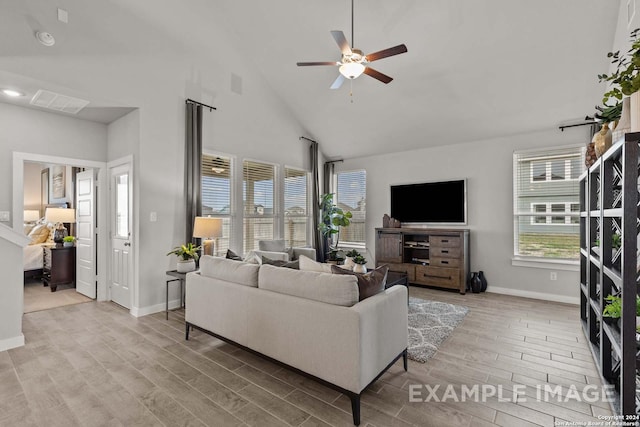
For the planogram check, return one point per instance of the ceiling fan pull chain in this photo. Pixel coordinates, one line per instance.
(351, 90)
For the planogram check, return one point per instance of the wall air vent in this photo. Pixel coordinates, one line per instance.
(55, 101)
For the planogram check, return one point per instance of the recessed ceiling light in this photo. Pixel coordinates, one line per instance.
(12, 93)
(45, 38)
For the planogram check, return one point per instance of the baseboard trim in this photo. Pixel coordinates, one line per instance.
(535, 295)
(9, 343)
(151, 309)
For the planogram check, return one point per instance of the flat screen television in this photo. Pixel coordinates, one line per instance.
(443, 202)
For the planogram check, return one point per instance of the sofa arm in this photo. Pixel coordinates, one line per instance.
(383, 331)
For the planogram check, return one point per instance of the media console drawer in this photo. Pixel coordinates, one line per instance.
(438, 276)
(408, 269)
(445, 241)
(444, 252)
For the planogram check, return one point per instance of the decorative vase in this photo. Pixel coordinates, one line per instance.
(476, 284)
(385, 221)
(590, 156)
(67, 244)
(483, 280)
(348, 263)
(185, 266)
(624, 123)
(634, 112)
(359, 268)
(602, 140)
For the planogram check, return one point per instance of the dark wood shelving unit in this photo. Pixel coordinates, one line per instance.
(608, 205)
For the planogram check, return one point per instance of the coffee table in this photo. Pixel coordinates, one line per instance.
(395, 278)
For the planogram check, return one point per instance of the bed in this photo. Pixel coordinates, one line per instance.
(41, 235)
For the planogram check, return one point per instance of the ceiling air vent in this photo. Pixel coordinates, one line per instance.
(55, 101)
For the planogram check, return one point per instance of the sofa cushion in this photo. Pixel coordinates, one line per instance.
(233, 255)
(323, 287)
(229, 270)
(369, 283)
(272, 245)
(308, 264)
(281, 263)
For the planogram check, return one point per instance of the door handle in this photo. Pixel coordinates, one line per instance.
(127, 244)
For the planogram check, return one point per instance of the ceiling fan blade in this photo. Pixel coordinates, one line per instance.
(377, 75)
(396, 50)
(305, 64)
(343, 44)
(338, 82)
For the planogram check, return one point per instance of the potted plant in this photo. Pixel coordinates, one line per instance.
(333, 218)
(187, 257)
(359, 262)
(613, 310)
(349, 256)
(68, 241)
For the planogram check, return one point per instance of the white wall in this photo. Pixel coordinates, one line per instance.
(11, 303)
(32, 184)
(488, 167)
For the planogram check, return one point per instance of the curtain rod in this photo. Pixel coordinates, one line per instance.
(189, 100)
(592, 122)
(335, 161)
(308, 139)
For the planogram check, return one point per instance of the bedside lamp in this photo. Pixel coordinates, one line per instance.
(207, 228)
(31, 215)
(60, 216)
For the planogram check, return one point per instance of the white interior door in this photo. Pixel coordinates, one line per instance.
(121, 279)
(86, 234)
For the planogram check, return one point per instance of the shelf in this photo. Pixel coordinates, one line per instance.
(595, 306)
(584, 289)
(614, 338)
(613, 275)
(613, 213)
(584, 252)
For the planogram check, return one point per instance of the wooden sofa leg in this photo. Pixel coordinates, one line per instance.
(186, 332)
(355, 409)
(405, 356)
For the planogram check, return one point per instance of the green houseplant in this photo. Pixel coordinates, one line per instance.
(187, 256)
(625, 80)
(68, 241)
(349, 256)
(359, 262)
(332, 218)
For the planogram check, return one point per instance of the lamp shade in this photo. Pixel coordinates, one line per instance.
(31, 215)
(61, 215)
(207, 227)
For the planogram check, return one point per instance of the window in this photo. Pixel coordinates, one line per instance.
(296, 207)
(351, 196)
(546, 202)
(216, 196)
(258, 201)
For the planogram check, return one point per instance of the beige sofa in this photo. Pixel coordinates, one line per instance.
(309, 321)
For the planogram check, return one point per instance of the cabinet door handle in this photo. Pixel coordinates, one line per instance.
(400, 248)
(444, 251)
(444, 262)
(445, 241)
(127, 244)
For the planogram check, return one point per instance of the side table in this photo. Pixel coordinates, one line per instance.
(395, 278)
(178, 277)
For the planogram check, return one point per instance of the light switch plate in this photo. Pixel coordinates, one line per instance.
(5, 216)
(153, 217)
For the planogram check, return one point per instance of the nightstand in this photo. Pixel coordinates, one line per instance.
(59, 266)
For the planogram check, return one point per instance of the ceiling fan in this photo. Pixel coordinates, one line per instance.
(354, 62)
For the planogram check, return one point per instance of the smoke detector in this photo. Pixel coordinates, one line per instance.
(45, 38)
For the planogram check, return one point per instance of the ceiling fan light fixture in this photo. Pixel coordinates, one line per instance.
(352, 70)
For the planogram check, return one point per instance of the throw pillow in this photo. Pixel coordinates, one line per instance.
(272, 245)
(39, 234)
(27, 228)
(281, 263)
(252, 258)
(232, 255)
(307, 264)
(369, 283)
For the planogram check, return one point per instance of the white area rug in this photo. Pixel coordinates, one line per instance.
(430, 323)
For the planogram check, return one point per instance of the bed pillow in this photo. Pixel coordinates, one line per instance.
(27, 228)
(369, 283)
(38, 234)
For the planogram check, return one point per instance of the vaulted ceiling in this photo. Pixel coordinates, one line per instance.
(475, 69)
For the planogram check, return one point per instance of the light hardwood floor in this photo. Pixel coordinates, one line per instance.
(95, 365)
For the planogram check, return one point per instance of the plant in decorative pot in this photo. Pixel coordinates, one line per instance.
(349, 256)
(359, 262)
(625, 80)
(613, 310)
(187, 257)
(333, 218)
(68, 241)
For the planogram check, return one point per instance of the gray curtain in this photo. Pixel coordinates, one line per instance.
(315, 201)
(327, 187)
(192, 166)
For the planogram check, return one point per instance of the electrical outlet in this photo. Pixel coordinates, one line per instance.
(153, 217)
(4, 216)
(553, 276)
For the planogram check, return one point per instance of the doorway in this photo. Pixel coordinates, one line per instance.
(97, 272)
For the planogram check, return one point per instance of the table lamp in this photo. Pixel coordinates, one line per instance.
(59, 217)
(207, 228)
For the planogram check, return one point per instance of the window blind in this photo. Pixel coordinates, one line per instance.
(216, 195)
(258, 201)
(546, 202)
(351, 195)
(296, 207)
